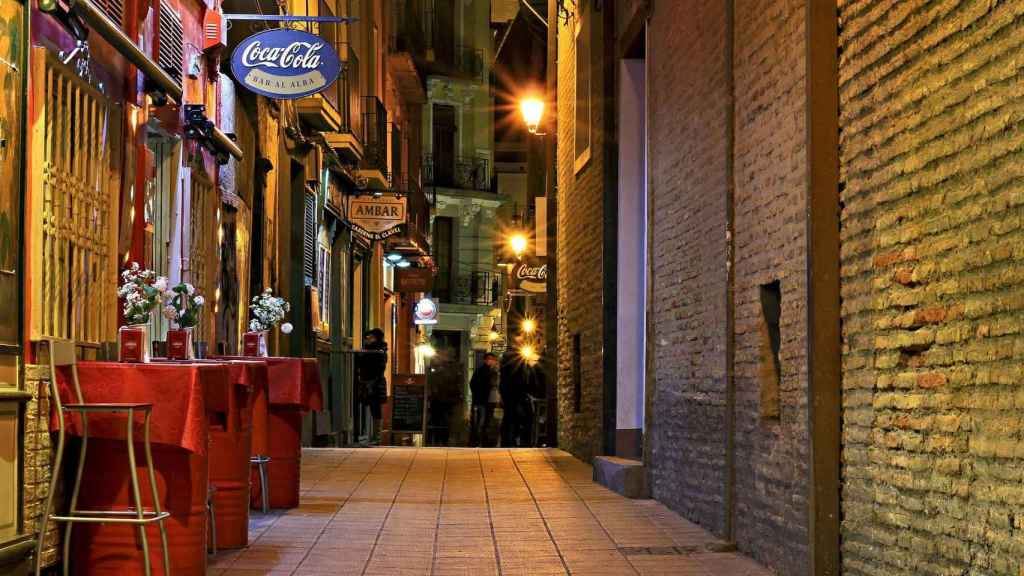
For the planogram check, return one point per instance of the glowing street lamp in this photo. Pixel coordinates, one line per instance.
(529, 354)
(529, 326)
(517, 242)
(532, 110)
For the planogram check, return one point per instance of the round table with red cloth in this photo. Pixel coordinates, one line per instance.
(230, 446)
(293, 388)
(185, 398)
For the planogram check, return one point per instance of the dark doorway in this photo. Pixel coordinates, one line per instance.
(444, 28)
(445, 381)
(444, 144)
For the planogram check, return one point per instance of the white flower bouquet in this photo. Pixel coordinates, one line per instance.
(141, 291)
(267, 311)
(184, 305)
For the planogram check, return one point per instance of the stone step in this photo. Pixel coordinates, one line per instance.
(622, 475)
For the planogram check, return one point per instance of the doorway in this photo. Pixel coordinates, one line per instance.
(446, 379)
(631, 296)
(444, 145)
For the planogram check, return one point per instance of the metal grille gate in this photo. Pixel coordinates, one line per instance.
(74, 196)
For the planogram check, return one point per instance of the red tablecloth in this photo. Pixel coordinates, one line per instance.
(185, 397)
(181, 395)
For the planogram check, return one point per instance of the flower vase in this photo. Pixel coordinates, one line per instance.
(254, 343)
(133, 344)
(179, 344)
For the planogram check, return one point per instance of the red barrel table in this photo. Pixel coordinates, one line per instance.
(185, 397)
(293, 388)
(230, 446)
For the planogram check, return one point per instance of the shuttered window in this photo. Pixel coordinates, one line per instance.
(114, 9)
(309, 238)
(171, 51)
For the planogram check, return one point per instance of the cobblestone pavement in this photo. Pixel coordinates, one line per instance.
(405, 511)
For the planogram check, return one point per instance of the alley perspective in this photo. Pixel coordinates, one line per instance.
(498, 287)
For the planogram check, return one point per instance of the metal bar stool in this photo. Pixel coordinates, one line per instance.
(261, 466)
(211, 491)
(62, 354)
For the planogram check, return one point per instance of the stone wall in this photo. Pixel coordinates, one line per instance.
(38, 458)
(770, 180)
(931, 104)
(580, 257)
(728, 121)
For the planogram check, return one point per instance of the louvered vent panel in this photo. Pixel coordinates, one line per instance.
(309, 239)
(172, 49)
(114, 9)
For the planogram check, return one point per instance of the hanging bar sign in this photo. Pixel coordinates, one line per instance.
(285, 64)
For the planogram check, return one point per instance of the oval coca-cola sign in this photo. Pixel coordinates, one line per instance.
(285, 64)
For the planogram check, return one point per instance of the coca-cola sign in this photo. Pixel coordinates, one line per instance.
(285, 64)
(530, 276)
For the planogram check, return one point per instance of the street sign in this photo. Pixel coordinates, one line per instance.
(530, 276)
(376, 217)
(414, 279)
(409, 403)
(285, 64)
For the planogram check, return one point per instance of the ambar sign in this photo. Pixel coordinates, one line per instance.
(376, 217)
(285, 64)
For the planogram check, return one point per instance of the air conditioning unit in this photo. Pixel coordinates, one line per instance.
(214, 32)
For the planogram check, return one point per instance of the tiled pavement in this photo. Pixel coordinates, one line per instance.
(405, 511)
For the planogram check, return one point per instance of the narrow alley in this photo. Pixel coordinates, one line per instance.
(536, 512)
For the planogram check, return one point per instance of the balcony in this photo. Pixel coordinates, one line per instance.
(459, 172)
(347, 140)
(374, 166)
(478, 288)
(425, 30)
(322, 110)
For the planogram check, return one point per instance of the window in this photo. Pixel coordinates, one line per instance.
(77, 296)
(171, 48)
(309, 244)
(771, 343)
(323, 286)
(583, 88)
(443, 249)
(577, 373)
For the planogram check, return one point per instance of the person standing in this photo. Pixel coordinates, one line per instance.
(512, 385)
(371, 381)
(482, 386)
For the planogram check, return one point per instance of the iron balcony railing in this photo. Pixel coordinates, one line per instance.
(375, 134)
(458, 172)
(419, 204)
(480, 288)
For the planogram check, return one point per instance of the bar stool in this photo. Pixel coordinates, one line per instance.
(261, 466)
(211, 491)
(62, 354)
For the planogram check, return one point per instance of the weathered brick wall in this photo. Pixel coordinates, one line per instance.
(38, 458)
(770, 245)
(689, 106)
(580, 261)
(931, 104)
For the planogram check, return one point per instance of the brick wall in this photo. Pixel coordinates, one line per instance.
(580, 262)
(931, 105)
(770, 178)
(688, 142)
(38, 458)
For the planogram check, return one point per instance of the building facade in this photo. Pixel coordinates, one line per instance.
(826, 256)
(139, 146)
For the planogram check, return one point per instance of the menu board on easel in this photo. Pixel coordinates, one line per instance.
(409, 403)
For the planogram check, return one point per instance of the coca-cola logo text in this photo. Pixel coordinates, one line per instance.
(303, 55)
(526, 272)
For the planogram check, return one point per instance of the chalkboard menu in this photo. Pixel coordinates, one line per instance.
(409, 403)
